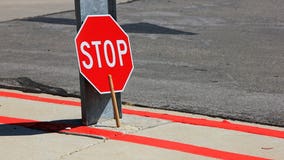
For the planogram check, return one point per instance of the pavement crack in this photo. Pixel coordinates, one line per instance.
(80, 150)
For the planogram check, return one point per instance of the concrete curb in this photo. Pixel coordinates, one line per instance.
(158, 133)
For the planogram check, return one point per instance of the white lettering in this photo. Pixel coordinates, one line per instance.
(108, 43)
(108, 46)
(90, 65)
(120, 51)
(96, 44)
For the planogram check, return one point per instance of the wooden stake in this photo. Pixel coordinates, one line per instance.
(114, 102)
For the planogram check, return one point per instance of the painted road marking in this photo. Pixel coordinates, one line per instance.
(119, 136)
(210, 123)
(179, 119)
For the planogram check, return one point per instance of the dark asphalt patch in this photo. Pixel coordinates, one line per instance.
(25, 84)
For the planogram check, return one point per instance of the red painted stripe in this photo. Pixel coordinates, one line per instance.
(57, 127)
(209, 123)
(182, 147)
(180, 119)
(187, 148)
(10, 120)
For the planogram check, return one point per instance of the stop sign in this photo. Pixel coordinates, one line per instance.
(103, 48)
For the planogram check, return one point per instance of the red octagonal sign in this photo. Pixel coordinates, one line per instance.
(103, 48)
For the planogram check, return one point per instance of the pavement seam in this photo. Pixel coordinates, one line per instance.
(64, 156)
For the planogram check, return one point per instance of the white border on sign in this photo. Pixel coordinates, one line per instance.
(104, 15)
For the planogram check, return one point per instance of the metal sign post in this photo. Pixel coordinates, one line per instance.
(93, 104)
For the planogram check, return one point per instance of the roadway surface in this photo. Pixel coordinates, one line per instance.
(220, 58)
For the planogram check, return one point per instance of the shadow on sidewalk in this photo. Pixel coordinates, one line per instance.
(35, 128)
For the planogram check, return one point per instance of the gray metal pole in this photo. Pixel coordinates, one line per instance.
(94, 105)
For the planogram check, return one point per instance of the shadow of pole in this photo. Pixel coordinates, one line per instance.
(142, 27)
(148, 28)
(35, 128)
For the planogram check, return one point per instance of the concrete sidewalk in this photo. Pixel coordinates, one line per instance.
(15, 9)
(21, 140)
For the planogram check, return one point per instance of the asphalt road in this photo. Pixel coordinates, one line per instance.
(220, 58)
